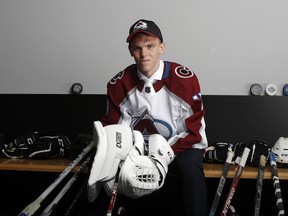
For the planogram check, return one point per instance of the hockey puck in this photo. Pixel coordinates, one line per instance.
(76, 88)
(271, 89)
(256, 89)
(285, 89)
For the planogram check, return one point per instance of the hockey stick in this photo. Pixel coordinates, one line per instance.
(228, 162)
(259, 184)
(49, 209)
(276, 184)
(113, 195)
(235, 181)
(72, 206)
(35, 205)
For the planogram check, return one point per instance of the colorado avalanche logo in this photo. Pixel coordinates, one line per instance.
(140, 25)
(117, 77)
(147, 125)
(183, 72)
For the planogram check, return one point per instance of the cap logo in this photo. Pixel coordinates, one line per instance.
(140, 25)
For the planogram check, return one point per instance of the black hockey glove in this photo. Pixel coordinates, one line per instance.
(18, 148)
(48, 147)
(257, 148)
(238, 149)
(80, 142)
(217, 153)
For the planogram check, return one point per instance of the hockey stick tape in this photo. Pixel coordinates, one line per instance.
(230, 155)
(285, 89)
(244, 157)
(271, 89)
(256, 89)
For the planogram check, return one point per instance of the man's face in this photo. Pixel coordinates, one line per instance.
(146, 51)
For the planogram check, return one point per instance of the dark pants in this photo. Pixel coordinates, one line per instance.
(183, 193)
(188, 166)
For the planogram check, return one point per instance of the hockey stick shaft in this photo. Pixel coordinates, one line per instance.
(235, 181)
(49, 209)
(35, 205)
(259, 185)
(75, 201)
(113, 195)
(276, 184)
(230, 155)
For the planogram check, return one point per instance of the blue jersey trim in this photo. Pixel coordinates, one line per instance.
(167, 69)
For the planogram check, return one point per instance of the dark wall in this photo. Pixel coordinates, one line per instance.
(49, 114)
(228, 118)
(245, 118)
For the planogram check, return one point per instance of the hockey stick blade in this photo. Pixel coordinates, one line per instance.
(228, 162)
(235, 181)
(35, 205)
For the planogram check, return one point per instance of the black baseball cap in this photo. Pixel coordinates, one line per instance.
(144, 26)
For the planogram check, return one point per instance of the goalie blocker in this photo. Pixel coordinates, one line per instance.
(120, 147)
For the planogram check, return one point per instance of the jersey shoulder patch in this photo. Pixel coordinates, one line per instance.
(127, 74)
(175, 69)
(182, 82)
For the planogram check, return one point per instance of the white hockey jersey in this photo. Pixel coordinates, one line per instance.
(169, 104)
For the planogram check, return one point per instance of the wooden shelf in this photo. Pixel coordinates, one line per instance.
(215, 171)
(58, 165)
(49, 165)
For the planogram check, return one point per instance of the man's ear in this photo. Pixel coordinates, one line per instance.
(162, 47)
(130, 50)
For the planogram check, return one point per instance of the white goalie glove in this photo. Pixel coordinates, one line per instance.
(113, 143)
(119, 146)
(141, 175)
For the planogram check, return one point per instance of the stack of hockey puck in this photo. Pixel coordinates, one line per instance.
(270, 89)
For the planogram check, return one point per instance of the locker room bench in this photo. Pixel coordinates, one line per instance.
(53, 165)
(58, 165)
(215, 170)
